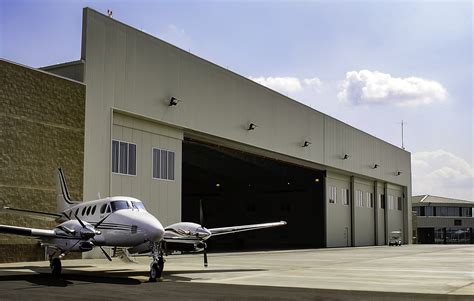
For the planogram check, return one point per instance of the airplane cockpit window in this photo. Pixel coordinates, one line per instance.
(119, 205)
(138, 205)
(108, 209)
(102, 208)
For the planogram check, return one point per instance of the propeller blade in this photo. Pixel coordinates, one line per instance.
(79, 220)
(205, 258)
(201, 213)
(102, 220)
(105, 253)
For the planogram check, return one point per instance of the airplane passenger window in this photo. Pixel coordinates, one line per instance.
(77, 211)
(102, 208)
(93, 210)
(83, 211)
(88, 210)
(119, 205)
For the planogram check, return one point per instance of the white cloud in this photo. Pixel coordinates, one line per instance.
(366, 87)
(288, 85)
(442, 173)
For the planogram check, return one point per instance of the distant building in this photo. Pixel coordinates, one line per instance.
(443, 220)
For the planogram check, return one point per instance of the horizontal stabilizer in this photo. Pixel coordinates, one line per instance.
(35, 214)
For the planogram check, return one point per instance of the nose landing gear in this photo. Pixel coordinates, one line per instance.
(158, 262)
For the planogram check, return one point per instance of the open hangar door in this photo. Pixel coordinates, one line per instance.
(238, 188)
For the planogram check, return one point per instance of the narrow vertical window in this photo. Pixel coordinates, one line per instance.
(170, 165)
(399, 203)
(123, 158)
(164, 164)
(156, 163)
(132, 159)
(115, 156)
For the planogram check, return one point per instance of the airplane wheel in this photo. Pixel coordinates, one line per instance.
(154, 272)
(55, 266)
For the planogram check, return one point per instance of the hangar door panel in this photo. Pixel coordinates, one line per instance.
(149, 171)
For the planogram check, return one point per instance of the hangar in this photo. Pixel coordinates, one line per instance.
(173, 129)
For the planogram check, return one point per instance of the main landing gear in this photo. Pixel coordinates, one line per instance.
(55, 265)
(158, 262)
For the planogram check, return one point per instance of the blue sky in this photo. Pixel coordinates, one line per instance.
(368, 63)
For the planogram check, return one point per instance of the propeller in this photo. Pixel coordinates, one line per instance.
(89, 234)
(201, 221)
(105, 253)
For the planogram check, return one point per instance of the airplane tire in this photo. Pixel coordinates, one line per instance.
(56, 267)
(154, 272)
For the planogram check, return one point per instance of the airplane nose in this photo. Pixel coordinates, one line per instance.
(154, 228)
(156, 232)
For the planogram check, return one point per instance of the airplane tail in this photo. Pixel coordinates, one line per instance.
(63, 200)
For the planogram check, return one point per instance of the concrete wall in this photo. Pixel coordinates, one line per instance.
(42, 128)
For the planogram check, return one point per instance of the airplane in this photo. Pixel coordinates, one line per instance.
(117, 221)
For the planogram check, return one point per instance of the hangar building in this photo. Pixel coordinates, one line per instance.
(171, 129)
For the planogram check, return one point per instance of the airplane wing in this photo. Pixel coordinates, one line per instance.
(35, 214)
(235, 229)
(40, 233)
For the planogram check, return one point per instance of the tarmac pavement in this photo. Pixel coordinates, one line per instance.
(414, 272)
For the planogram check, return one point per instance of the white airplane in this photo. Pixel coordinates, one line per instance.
(117, 222)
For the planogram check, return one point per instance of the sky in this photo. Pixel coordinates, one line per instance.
(370, 64)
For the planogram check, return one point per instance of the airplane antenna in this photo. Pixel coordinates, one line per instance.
(403, 146)
(98, 194)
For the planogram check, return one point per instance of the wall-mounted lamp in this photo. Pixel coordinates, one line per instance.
(174, 101)
(345, 157)
(398, 173)
(375, 166)
(306, 144)
(252, 126)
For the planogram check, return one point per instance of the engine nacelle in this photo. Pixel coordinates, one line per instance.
(184, 246)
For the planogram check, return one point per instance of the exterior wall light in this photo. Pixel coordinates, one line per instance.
(375, 166)
(174, 101)
(306, 144)
(252, 126)
(398, 173)
(345, 157)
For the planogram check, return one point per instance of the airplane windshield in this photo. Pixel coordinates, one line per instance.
(119, 205)
(138, 205)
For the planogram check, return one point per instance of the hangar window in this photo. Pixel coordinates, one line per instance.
(359, 198)
(391, 202)
(332, 194)
(466, 211)
(370, 199)
(399, 203)
(382, 201)
(124, 158)
(163, 164)
(345, 196)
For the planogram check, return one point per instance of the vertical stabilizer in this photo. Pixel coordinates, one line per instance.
(63, 200)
